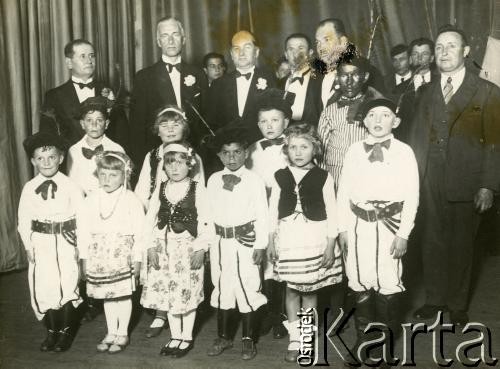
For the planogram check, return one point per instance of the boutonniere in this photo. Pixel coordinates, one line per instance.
(261, 84)
(189, 80)
(110, 96)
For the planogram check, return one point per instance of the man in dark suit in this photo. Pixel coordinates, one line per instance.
(233, 96)
(170, 81)
(214, 66)
(397, 81)
(455, 137)
(302, 83)
(63, 102)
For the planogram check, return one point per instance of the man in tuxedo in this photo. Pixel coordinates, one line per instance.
(214, 66)
(304, 85)
(233, 96)
(398, 80)
(170, 81)
(455, 137)
(63, 102)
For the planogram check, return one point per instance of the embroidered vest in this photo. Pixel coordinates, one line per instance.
(310, 192)
(180, 216)
(154, 160)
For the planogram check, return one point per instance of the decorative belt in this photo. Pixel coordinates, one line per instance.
(233, 232)
(53, 227)
(379, 213)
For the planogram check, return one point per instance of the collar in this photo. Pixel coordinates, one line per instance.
(251, 70)
(79, 80)
(370, 140)
(406, 76)
(41, 178)
(302, 72)
(170, 60)
(237, 173)
(456, 76)
(86, 144)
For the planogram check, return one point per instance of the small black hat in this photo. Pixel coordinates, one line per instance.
(43, 139)
(273, 98)
(234, 132)
(97, 103)
(370, 104)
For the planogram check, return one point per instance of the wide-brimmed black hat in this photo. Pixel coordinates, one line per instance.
(234, 132)
(44, 139)
(273, 98)
(370, 104)
(96, 103)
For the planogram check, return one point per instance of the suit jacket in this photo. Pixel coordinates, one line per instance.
(473, 118)
(153, 90)
(222, 108)
(312, 104)
(394, 91)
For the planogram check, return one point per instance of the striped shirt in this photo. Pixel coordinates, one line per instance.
(337, 135)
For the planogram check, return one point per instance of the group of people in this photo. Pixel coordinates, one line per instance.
(288, 187)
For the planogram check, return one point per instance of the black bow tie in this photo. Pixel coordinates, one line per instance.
(246, 75)
(89, 153)
(376, 148)
(300, 79)
(230, 180)
(170, 67)
(90, 85)
(43, 189)
(275, 141)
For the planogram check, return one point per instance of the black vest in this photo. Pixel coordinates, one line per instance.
(310, 192)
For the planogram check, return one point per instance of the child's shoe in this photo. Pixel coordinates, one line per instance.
(182, 350)
(103, 346)
(248, 349)
(219, 345)
(64, 340)
(170, 347)
(118, 344)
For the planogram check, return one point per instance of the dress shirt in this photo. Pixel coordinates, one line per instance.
(242, 87)
(400, 79)
(300, 91)
(327, 89)
(83, 93)
(265, 162)
(456, 79)
(175, 78)
(417, 79)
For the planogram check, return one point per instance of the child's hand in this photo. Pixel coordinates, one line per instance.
(153, 258)
(343, 241)
(272, 255)
(398, 247)
(83, 270)
(31, 257)
(197, 259)
(328, 257)
(258, 255)
(137, 270)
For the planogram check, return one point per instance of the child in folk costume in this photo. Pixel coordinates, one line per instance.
(238, 207)
(303, 228)
(377, 200)
(265, 158)
(177, 218)
(48, 221)
(112, 246)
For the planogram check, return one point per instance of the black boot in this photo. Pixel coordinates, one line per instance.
(278, 310)
(224, 340)
(363, 315)
(248, 349)
(66, 331)
(52, 331)
(387, 312)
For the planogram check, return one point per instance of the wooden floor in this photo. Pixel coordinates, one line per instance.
(21, 334)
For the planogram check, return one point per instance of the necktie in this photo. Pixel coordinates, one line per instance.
(90, 85)
(246, 75)
(300, 79)
(447, 91)
(275, 141)
(376, 148)
(43, 189)
(230, 180)
(89, 153)
(170, 67)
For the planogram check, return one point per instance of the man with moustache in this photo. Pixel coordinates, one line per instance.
(455, 137)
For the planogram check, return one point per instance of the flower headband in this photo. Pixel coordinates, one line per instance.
(175, 110)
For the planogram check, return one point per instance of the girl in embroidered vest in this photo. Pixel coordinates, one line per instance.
(171, 126)
(112, 233)
(177, 217)
(303, 227)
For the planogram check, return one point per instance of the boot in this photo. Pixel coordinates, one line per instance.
(66, 314)
(364, 314)
(51, 324)
(224, 340)
(387, 312)
(278, 310)
(248, 349)
(266, 321)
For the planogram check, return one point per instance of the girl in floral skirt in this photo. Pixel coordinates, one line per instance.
(177, 216)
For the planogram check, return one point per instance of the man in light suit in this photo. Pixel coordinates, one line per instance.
(233, 96)
(455, 136)
(170, 81)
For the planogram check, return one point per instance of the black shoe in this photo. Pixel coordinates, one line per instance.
(91, 313)
(427, 312)
(50, 341)
(279, 331)
(266, 324)
(178, 353)
(459, 317)
(167, 349)
(64, 341)
(248, 349)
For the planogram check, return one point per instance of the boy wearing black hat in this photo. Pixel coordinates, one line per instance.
(94, 120)
(238, 207)
(48, 225)
(377, 201)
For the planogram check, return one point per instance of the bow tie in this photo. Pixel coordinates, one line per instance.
(230, 180)
(43, 189)
(348, 102)
(246, 75)
(90, 85)
(376, 148)
(300, 79)
(275, 141)
(89, 153)
(170, 67)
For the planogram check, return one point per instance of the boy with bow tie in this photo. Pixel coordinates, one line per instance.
(377, 200)
(94, 120)
(48, 224)
(238, 206)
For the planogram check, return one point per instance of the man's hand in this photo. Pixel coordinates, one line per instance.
(398, 247)
(258, 256)
(153, 258)
(197, 259)
(483, 200)
(343, 242)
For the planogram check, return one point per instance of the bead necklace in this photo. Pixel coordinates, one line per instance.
(183, 196)
(114, 206)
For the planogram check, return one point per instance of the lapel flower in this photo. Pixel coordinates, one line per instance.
(261, 84)
(108, 93)
(189, 80)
